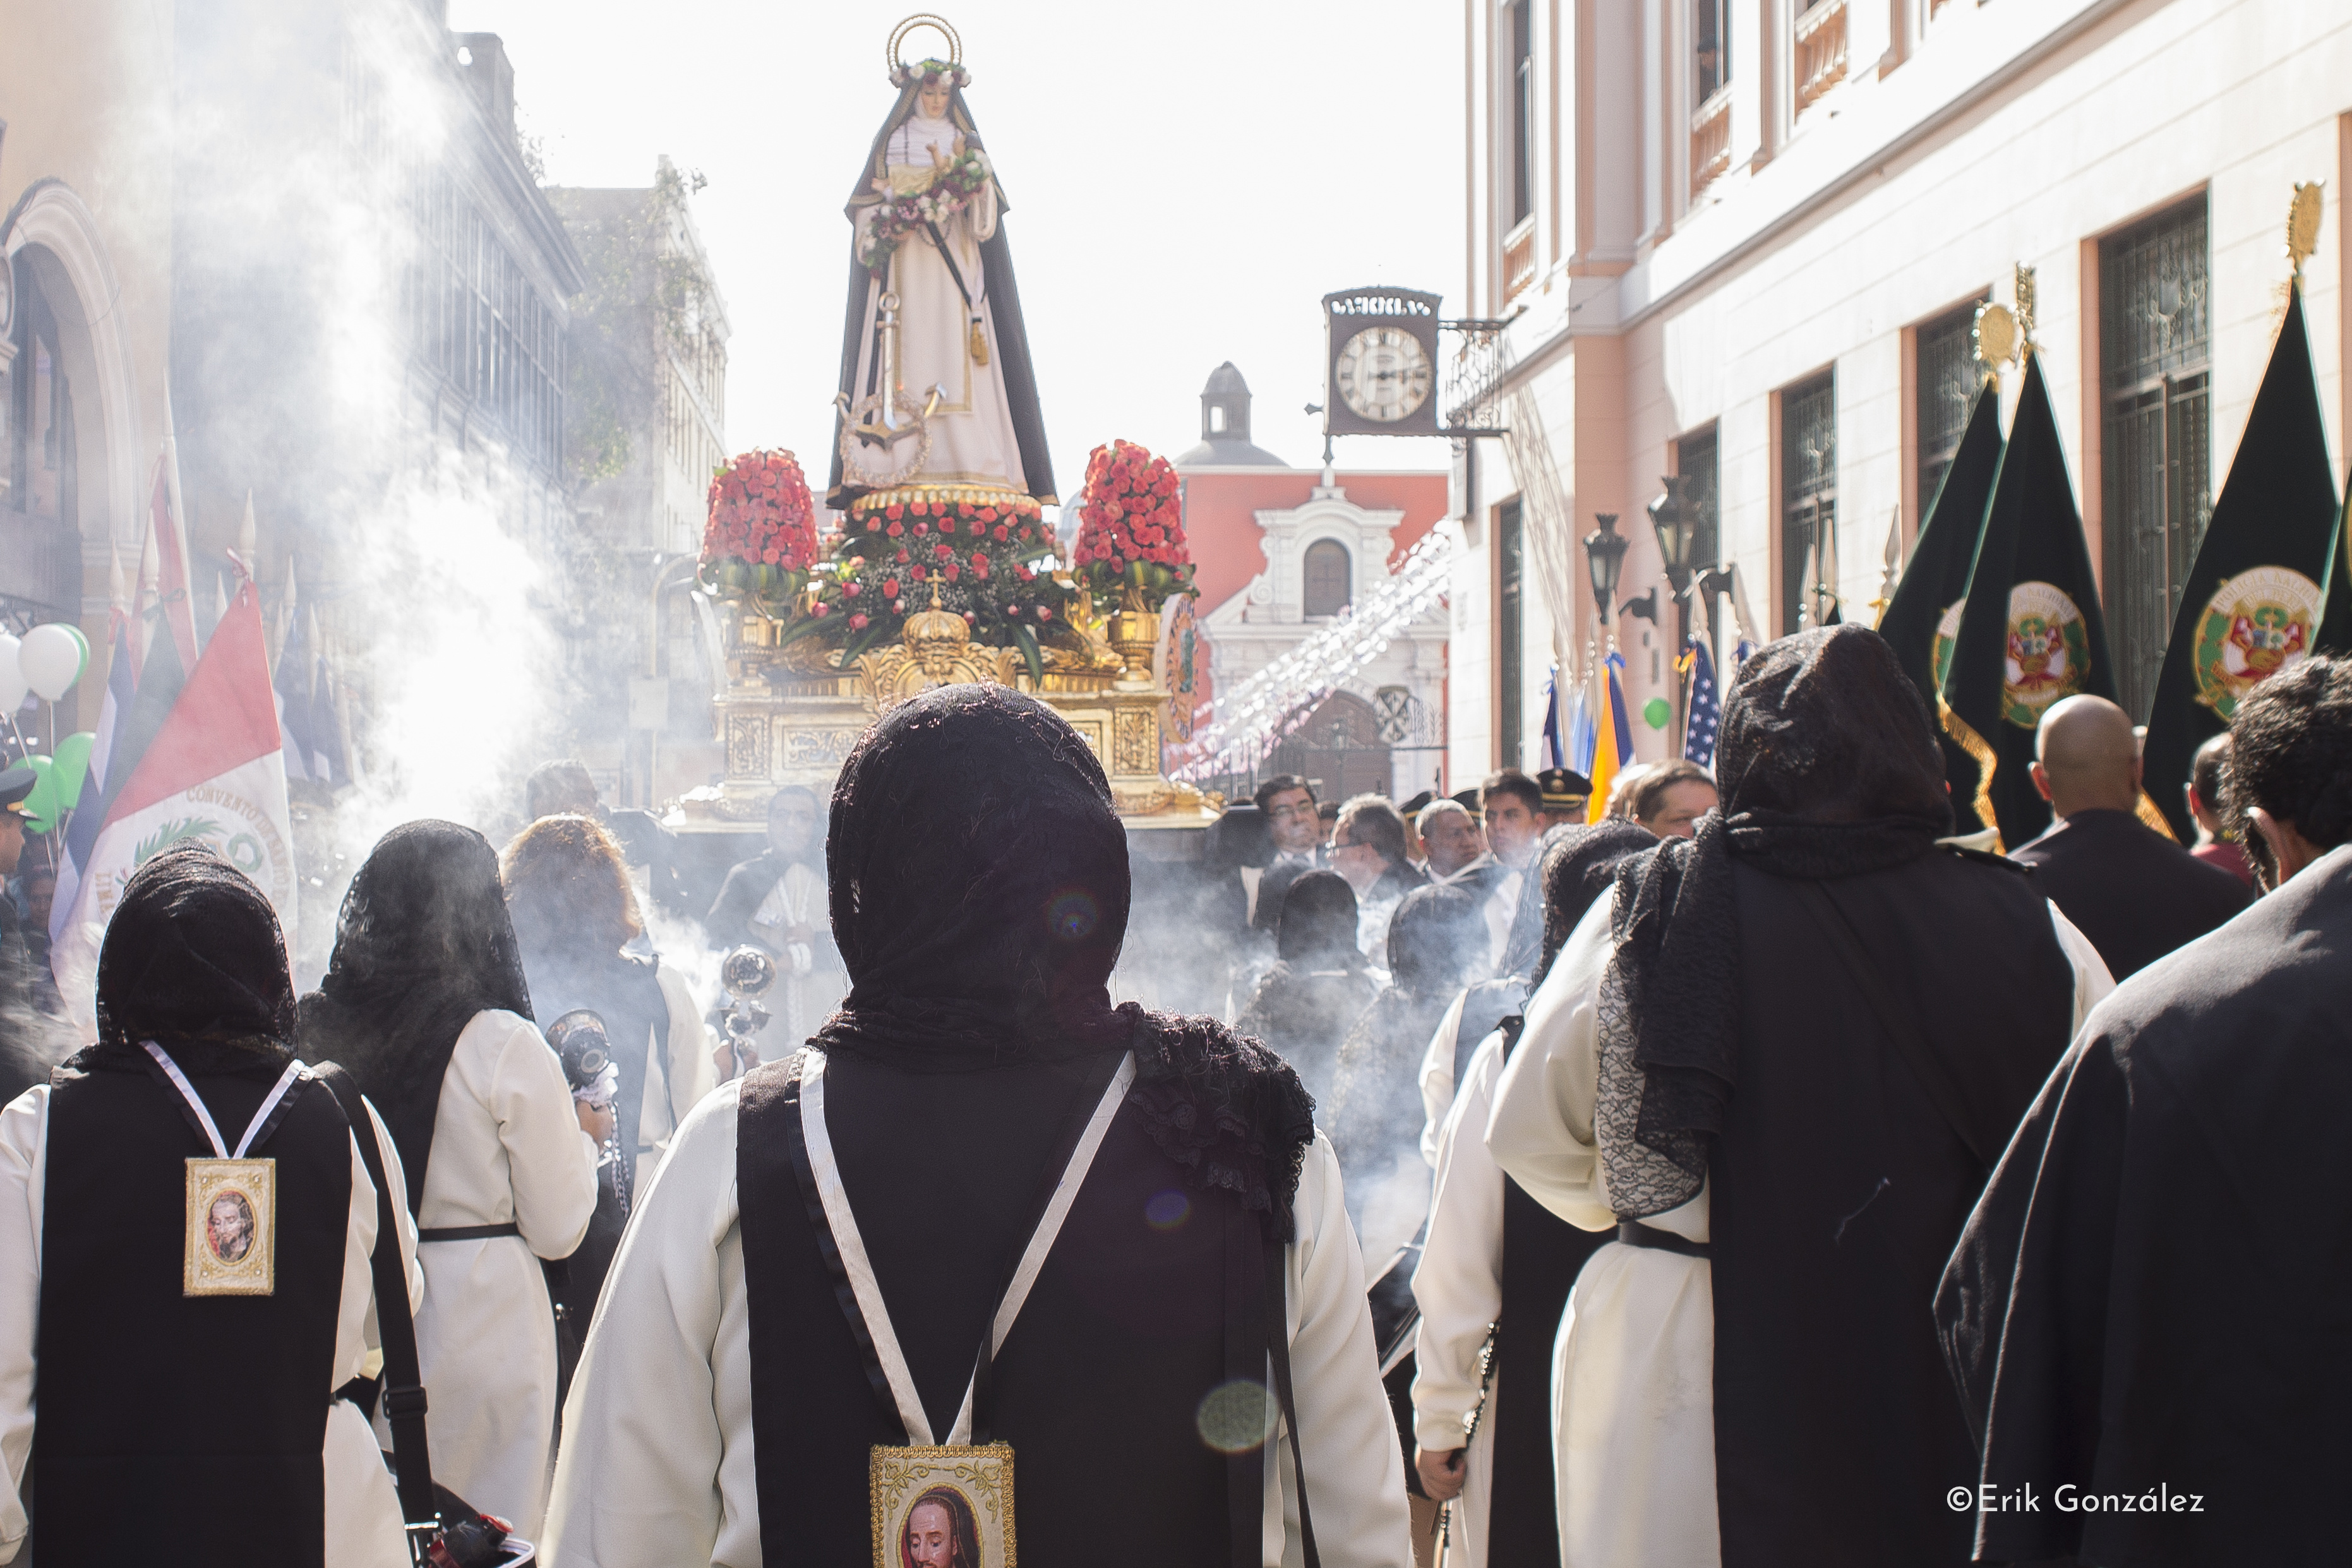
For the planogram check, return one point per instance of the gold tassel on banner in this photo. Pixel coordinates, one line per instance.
(978, 342)
(2147, 812)
(1960, 730)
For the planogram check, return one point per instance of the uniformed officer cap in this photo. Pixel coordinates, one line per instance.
(14, 785)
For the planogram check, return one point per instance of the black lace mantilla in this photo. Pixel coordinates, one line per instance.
(1225, 1108)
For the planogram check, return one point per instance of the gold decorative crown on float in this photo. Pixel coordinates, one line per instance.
(927, 69)
(935, 636)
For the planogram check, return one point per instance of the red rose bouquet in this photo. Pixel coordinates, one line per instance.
(760, 539)
(1131, 529)
(987, 560)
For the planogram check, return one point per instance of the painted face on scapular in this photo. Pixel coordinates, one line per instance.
(229, 1227)
(931, 1536)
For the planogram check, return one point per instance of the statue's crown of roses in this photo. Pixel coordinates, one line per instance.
(928, 72)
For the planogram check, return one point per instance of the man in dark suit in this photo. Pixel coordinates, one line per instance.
(2132, 891)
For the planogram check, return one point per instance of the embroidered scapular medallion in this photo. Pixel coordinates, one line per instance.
(943, 1507)
(232, 1236)
(231, 1225)
(936, 1505)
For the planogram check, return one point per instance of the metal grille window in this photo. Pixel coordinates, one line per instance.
(475, 322)
(1808, 493)
(1330, 578)
(1946, 377)
(2154, 341)
(1510, 628)
(1695, 459)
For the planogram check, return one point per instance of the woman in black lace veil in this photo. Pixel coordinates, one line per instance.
(425, 1003)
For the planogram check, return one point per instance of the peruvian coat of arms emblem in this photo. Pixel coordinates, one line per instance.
(2256, 624)
(2049, 652)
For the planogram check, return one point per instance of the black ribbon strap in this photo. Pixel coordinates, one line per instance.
(939, 241)
(403, 1385)
(1634, 1233)
(468, 1232)
(1277, 1337)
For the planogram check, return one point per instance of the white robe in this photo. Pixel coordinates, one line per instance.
(1459, 1287)
(678, 1073)
(972, 439)
(507, 1146)
(1437, 1078)
(363, 1523)
(655, 1465)
(1633, 1366)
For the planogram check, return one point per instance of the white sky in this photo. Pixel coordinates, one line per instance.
(1187, 181)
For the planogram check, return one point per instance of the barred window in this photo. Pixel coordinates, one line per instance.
(2155, 346)
(1695, 459)
(1808, 498)
(477, 322)
(1946, 375)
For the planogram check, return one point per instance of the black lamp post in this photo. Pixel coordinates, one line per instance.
(1676, 522)
(1604, 556)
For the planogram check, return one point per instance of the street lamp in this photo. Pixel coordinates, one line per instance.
(1605, 556)
(1676, 522)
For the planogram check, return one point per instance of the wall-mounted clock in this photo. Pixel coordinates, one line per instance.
(1382, 366)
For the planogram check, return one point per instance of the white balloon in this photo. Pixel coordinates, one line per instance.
(12, 677)
(49, 658)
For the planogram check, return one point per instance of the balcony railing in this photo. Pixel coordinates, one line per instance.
(1710, 147)
(1821, 51)
(1519, 258)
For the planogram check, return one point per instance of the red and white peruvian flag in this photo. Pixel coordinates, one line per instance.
(214, 772)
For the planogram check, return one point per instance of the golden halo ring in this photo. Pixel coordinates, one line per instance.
(933, 20)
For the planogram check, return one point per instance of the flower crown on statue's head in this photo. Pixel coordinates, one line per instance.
(930, 73)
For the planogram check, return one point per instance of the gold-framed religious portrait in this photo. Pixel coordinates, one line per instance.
(943, 1507)
(232, 1229)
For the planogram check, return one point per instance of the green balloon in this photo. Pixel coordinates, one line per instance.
(80, 637)
(40, 808)
(72, 762)
(1657, 713)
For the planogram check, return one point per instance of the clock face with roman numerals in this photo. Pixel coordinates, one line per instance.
(1383, 373)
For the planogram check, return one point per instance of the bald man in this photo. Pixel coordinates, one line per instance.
(2132, 891)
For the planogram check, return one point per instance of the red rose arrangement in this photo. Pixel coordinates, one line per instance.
(988, 561)
(1131, 529)
(761, 534)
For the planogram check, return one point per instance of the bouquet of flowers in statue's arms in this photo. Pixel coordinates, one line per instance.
(897, 217)
(1131, 552)
(760, 540)
(990, 562)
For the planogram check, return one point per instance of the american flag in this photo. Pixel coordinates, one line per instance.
(1706, 710)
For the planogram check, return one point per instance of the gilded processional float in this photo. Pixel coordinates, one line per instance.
(943, 569)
